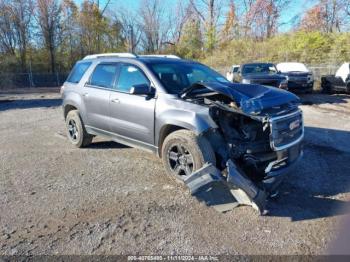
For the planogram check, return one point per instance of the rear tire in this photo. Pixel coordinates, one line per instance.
(183, 152)
(76, 131)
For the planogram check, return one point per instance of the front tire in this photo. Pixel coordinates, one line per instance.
(183, 152)
(76, 132)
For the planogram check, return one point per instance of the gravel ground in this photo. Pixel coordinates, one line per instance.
(112, 199)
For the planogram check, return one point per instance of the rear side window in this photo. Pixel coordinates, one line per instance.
(104, 75)
(78, 72)
(129, 76)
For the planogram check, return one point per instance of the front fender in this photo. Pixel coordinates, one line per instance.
(182, 114)
(186, 119)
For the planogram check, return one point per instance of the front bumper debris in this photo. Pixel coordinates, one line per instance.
(208, 185)
(244, 190)
(234, 188)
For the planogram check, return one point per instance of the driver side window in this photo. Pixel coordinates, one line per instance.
(129, 76)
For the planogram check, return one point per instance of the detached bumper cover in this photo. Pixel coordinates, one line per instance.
(226, 192)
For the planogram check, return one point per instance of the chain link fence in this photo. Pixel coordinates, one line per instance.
(23, 80)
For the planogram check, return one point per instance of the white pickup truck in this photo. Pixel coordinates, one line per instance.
(340, 82)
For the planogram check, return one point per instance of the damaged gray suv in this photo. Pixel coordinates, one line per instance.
(186, 113)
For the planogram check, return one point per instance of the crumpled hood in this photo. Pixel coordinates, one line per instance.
(251, 99)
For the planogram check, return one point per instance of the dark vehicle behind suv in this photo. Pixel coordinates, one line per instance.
(261, 74)
(300, 78)
(186, 113)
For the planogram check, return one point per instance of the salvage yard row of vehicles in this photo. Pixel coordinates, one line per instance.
(294, 77)
(290, 76)
(190, 116)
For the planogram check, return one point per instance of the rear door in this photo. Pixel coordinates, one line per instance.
(132, 116)
(96, 95)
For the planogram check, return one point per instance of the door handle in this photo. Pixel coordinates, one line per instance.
(115, 100)
(85, 94)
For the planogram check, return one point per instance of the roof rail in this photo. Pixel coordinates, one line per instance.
(128, 55)
(165, 56)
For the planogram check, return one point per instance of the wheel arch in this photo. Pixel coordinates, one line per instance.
(67, 108)
(176, 119)
(165, 131)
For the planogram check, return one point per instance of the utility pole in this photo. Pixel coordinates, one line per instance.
(98, 32)
(131, 40)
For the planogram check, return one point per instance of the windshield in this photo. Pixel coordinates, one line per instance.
(259, 69)
(175, 77)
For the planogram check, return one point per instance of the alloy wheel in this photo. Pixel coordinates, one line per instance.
(180, 161)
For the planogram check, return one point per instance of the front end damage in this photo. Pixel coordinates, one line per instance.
(256, 143)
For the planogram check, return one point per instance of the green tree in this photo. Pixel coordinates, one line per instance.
(49, 19)
(190, 44)
(92, 25)
(70, 40)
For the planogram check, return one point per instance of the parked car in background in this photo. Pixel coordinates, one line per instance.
(258, 73)
(340, 82)
(300, 78)
(234, 70)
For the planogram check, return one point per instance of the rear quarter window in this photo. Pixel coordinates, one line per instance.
(77, 72)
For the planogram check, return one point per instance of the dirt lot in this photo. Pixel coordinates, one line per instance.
(111, 199)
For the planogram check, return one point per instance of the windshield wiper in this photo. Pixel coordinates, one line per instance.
(188, 89)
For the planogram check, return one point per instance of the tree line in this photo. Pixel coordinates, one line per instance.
(51, 35)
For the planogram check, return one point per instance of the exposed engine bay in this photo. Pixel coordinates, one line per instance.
(256, 145)
(248, 139)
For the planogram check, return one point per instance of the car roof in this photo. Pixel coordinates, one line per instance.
(146, 60)
(292, 66)
(258, 63)
(110, 57)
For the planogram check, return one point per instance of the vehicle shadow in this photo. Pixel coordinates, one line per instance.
(106, 145)
(315, 188)
(9, 104)
(317, 99)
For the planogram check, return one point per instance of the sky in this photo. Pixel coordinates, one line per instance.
(295, 8)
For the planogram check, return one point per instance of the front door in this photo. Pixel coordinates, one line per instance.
(132, 116)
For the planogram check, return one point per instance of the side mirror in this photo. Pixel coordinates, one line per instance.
(142, 89)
